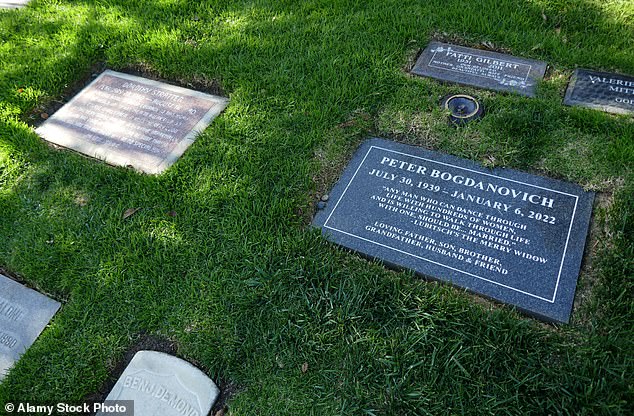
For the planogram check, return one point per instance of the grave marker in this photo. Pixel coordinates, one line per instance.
(478, 68)
(161, 384)
(605, 91)
(24, 313)
(128, 120)
(508, 235)
(12, 4)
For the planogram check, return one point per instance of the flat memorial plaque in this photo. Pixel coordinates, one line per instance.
(507, 235)
(161, 384)
(12, 4)
(478, 68)
(24, 313)
(613, 93)
(128, 120)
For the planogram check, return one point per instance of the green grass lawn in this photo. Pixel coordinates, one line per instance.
(220, 262)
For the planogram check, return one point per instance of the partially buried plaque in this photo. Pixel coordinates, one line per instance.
(613, 93)
(24, 313)
(161, 384)
(12, 4)
(128, 120)
(508, 235)
(484, 69)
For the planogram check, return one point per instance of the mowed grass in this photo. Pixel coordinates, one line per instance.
(220, 259)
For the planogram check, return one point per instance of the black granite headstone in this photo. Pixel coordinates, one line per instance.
(604, 91)
(508, 235)
(478, 68)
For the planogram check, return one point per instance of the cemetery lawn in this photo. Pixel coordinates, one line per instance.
(219, 261)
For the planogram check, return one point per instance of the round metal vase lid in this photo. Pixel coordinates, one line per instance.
(462, 108)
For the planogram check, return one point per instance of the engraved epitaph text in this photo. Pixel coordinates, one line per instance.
(128, 120)
(480, 68)
(514, 237)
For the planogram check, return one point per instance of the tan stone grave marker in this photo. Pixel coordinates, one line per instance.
(161, 384)
(12, 4)
(128, 120)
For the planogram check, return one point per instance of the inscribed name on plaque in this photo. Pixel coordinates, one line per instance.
(128, 120)
(508, 235)
(605, 91)
(24, 313)
(484, 69)
(161, 384)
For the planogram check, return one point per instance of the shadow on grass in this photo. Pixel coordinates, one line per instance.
(231, 276)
